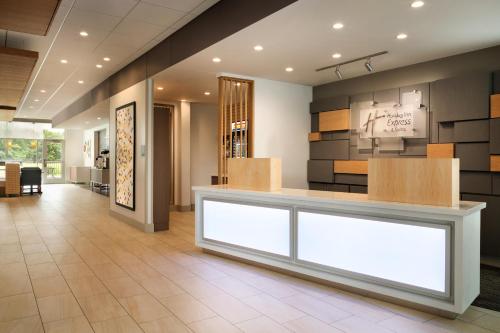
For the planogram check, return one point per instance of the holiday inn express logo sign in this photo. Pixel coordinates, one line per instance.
(387, 121)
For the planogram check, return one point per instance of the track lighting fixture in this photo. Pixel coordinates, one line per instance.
(337, 71)
(368, 65)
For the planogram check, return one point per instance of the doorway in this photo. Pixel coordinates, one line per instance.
(53, 162)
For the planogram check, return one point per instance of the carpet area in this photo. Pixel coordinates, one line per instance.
(489, 298)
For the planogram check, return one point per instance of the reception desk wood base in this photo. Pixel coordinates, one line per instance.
(422, 255)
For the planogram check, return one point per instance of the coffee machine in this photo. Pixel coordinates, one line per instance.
(102, 161)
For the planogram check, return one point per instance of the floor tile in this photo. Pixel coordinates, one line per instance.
(261, 325)
(117, 325)
(50, 286)
(124, 287)
(165, 325)
(23, 325)
(355, 324)
(144, 308)
(235, 287)
(86, 286)
(199, 288)
(59, 307)
(73, 325)
(308, 325)
(187, 308)
(45, 270)
(108, 271)
(18, 306)
(101, 307)
(273, 308)
(213, 325)
(37, 258)
(316, 308)
(78, 270)
(230, 308)
(161, 287)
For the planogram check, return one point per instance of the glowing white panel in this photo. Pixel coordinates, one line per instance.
(260, 228)
(409, 254)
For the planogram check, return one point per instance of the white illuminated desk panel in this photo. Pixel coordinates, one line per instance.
(425, 255)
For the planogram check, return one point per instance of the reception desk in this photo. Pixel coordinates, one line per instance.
(423, 255)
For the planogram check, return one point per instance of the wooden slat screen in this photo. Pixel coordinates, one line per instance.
(235, 121)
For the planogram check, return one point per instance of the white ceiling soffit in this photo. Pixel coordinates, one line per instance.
(121, 30)
(301, 36)
(97, 115)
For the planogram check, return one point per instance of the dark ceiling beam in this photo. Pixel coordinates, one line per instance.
(221, 20)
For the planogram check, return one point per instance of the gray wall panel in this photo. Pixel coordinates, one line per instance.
(496, 82)
(473, 156)
(388, 95)
(358, 189)
(329, 150)
(320, 171)
(490, 223)
(472, 131)
(359, 155)
(475, 182)
(496, 184)
(314, 122)
(343, 178)
(434, 127)
(446, 132)
(337, 188)
(495, 136)
(339, 135)
(415, 147)
(328, 104)
(464, 97)
(317, 186)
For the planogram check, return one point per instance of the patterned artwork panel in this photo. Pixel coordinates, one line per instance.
(125, 156)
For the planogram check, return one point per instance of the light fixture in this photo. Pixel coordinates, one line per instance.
(43, 91)
(238, 84)
(417, 4)
(98, 66)
(207, 93)
(289, 69)
(36, 100)
(64, 61)
(336, 55)
(365, 58)
(402, 36)
(338, 73)
(87, 122)
(258, 48)
(338, 26)
(368, 65)
(183, 100)
(84, 33)
(159, 88)
(81, 82)
(106, 59)
(98, 118)
(31, 106)
(216, 60)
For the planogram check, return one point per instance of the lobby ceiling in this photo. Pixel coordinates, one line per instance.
(301, 36)
(120, 30)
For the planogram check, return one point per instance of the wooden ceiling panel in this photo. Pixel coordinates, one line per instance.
(29, 16)
(15, 71)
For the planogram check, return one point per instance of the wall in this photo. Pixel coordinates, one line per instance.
(204, 130)
(88, 135)
(281, 125)
(137, 93)
(456, 94)
(73, 147)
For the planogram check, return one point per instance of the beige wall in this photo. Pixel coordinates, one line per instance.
(137, 93)
(204, 128)
(73, 149)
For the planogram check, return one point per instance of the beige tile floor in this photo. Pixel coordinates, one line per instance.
(67, 266)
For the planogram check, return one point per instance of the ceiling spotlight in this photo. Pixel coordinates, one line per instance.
(207, 93)
(258, 48)
(159, 88)
(36, 100)
(106, 59)
(84, 33)
(81, 82)
(338, 73)
(183, 100)
(338, 26)
(64, 61)
(98, 66)
(336, 55)
(98, 118)
(368, 65)
(289, 69)
(401, 36)
(216, 60)
(417, 4)
(43, 91)
(238, 84)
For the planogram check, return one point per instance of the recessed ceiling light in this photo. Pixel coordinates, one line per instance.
(401, 36)
(81, 82)
(289, 69)
(336, 55)
(207, 93)
(258, 48)
(338, 26)
(417, 4)
(238, 84)
(159, 88)
(106, 59)
(98, 66)
(98, 118)
(183, 100)
(43, 91)
(216, 59)
(64, 61)
(84, 33)
(36, 100)
(87, 122)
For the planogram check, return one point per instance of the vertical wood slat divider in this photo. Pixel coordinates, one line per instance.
(235, 106)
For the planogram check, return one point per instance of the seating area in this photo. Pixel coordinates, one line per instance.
(15, 181)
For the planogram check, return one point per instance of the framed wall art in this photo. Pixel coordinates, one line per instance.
(125, 156)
